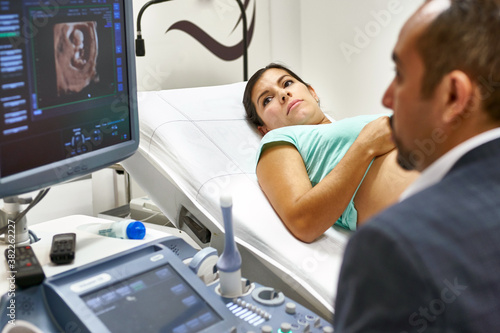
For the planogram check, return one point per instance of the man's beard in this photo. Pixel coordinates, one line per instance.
(403, 161)
(403, 158)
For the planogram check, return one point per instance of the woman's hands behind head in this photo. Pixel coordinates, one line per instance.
(376, 137)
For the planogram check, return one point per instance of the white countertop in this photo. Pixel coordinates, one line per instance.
(89, 246)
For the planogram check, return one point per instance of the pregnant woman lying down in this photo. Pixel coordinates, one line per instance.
(316, 172)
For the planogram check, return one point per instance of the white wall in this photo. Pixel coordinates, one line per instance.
(62, 200)
(285, 34)
(342, 47)
(346, 51)
(176, 60)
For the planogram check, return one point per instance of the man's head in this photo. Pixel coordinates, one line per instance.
(447, 84)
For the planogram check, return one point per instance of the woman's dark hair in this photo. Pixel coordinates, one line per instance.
(247, 95)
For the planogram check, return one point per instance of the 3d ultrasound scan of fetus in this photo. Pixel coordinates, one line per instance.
(77, 38)
(75, 49)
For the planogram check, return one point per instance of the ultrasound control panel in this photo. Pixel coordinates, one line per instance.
(269, 310)
(150, 289)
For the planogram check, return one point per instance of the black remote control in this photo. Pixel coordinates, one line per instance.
(24, 265)
(63, 248)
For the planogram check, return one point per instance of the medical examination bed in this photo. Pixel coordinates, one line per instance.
(196, 144)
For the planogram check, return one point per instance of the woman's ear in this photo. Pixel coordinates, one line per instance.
(263, 129)
(460, 95)
(313, 93)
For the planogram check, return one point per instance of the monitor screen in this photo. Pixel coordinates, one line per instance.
(67, 91)
(133, 304)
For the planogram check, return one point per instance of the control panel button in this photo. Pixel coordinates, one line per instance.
(290, 308)
(266, 329)
(286, 327)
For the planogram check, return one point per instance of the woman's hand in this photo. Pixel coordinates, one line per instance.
(376, 137)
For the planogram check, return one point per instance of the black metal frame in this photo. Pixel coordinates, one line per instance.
(140, 48)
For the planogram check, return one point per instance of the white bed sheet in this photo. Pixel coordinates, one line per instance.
(200, 140)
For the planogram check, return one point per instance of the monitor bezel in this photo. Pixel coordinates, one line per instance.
(81, 165)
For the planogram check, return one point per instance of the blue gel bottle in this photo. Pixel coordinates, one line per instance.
(127, 229)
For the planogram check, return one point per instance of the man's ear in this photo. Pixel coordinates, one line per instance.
(263, 129)
(460, 94)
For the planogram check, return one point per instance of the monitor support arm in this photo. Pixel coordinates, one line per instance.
(14, 224)
(140, 48)
(13, 221)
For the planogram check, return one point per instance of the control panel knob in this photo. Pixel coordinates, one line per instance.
(266, 329)
(327, 329)
(268, 296)
(286, 327)
(290, 308)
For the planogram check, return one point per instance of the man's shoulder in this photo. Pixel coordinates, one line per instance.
(466, 199)
(482, 155)
(405, 220)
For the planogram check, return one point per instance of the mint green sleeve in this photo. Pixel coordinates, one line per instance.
(276, 136)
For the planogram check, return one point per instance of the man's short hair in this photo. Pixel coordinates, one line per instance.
(465, 37)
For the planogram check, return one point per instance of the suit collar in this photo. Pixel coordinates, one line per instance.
(454, 159)
(484, 151)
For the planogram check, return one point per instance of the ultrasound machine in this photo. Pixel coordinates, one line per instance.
(68, 105)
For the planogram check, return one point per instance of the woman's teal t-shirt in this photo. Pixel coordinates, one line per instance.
(322, 147)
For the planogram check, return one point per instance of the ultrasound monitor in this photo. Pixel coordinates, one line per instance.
(67, 91)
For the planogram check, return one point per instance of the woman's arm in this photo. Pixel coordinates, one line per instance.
(309, 211)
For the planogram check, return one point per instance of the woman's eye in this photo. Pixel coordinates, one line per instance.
(397, 74)
(287, 83)
(266, 101)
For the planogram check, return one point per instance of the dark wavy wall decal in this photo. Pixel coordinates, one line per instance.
(223, 52)
(245, 5)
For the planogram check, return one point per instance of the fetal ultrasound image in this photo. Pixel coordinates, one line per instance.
(75, 52)
(75, 61)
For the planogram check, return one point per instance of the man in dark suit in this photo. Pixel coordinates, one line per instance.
(431, 263)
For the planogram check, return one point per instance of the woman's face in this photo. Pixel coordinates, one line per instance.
(281, 100)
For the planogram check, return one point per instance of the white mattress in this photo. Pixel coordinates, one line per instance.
(199, 139)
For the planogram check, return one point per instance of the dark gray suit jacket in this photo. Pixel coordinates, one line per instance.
(432, 262)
